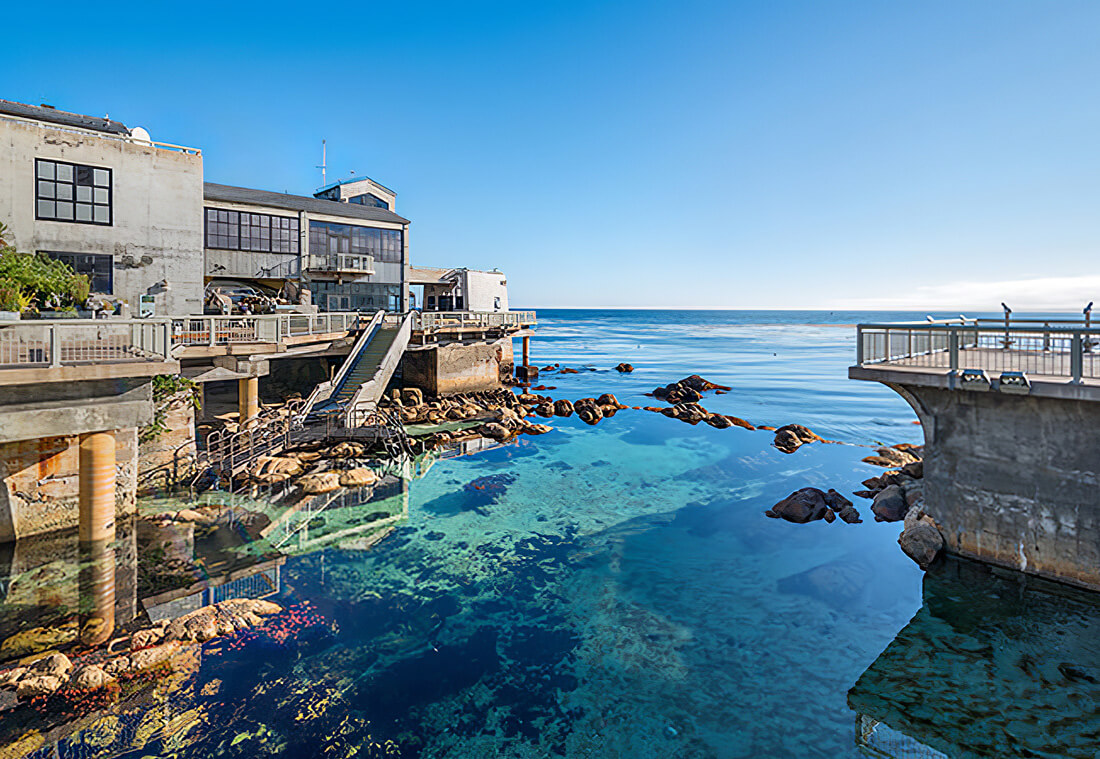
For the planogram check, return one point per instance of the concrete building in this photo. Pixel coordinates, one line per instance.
(349, 256)
(458, 289)
(107, 200)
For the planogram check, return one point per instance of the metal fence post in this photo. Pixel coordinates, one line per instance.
(859, 345)
(953, 349)
(55, 347)
(1076, 358)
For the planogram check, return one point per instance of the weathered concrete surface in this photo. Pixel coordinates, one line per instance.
(1014, 480)
(458, 367)
(169, 458)
(39, 483)
(29, 412)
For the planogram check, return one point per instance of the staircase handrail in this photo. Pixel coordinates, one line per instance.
(366, 396)
(324, 390)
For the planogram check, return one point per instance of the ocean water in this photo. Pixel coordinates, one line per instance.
(605, 591)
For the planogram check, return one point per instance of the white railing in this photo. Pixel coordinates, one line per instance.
(73, 342)
(340, 262)
(433, 321)
(33, 343)
(1038, 348)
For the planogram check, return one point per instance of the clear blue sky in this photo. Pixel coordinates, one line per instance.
(636, 153)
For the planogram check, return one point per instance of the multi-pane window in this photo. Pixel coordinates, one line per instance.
(369, 199)
(97, 266)
(331, 239)
(260, 232)
(72, 192)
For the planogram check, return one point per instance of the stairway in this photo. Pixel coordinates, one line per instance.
(365, 366)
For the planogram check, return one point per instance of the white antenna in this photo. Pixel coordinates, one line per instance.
(324, 163)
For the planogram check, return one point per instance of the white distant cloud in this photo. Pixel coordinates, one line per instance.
(1040, 294)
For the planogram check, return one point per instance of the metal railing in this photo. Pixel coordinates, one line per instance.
(324, 389)
(268, 328)
(80, 342)
(272, 431)
(1049, 348)
(431, 321)
(337, 262)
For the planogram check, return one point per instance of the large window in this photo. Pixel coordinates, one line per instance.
(72, 192)
(369, 199)
(99, 268)
(260, 232)
(358, 296)
(331, 239)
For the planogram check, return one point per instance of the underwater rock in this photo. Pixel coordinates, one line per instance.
(494, 430)
(321, 482)
(9, 677)
(54, 665)
(150, 657)
(624, 368)
(357, 478)
(33, 686)
(801, 506)
(272, 469)
(91, 677)
(889, 505)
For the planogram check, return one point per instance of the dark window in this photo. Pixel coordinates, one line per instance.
(72, 192)
(386, 245)
(99, 268)
(260, 232)
(369, 199)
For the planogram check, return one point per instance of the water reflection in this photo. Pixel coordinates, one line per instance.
(994, 664)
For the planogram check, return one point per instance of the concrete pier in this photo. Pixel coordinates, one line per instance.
(1011, 461)
(97, 487)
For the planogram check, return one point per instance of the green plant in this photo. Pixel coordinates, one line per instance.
(48, 283)
(11, 297)
(165, 388)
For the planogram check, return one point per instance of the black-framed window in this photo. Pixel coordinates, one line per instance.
(72, 192)
(386, 245)
(369, 199)
(259, 232)
(99, 267)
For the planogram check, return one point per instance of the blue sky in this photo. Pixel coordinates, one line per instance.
(662, 154)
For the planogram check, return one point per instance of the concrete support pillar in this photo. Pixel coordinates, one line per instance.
(97, 592)
(248, 398)
(97, 487)
(526, 351)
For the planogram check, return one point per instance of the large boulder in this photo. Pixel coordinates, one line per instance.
(321, 482)
(921, 542)
(889, 504)
(357, 478)
(34, 686)
(790, 437)
(801, 506)
(54, 665)
(563, 408)
(272, 469)
(607, 399)
(91, 678)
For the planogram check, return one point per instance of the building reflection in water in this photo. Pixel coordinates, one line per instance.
(995, 664)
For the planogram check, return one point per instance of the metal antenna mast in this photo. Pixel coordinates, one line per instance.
(324, 163)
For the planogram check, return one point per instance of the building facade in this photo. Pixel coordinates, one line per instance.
(109, 201)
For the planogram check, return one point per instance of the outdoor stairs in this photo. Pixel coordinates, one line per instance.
(364, 368)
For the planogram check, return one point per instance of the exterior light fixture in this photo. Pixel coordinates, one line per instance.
(974, 379)
(1016, 383)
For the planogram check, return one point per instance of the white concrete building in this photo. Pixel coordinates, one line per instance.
(458, 289)
(107, 200)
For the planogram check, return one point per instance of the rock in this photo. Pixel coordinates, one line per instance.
(194, 516)
(718, 421)
(34, 686)
(9, 677)
(306, 457)
(607, 399)
(830, 516)
(695, 382)
(790, 437)
(546, 410)
(801, 506)
(843, 507)
(737, 421)
(567, 370)
(321, 482)
(251, 605)
(563, 408)
(537, 429)
(892, 456)
(588, 410)
(347, 450)
(914, 493)
(146, 638)
(921, 542)
(530, 399)
(357, 478)
(91, 678)
(865, 493)
(150, 657)
(609, 410)
(624, 368)
(889, 505)
(914, 469)
(54, 665)
(412, 396)
(116, 665)
(494, 430)
(200, 625)
(272, 469)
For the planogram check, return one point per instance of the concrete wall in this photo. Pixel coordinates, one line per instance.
(486, 291)
(458, 367)
(156, 231)
(39, 483)
(169, 458)
(1014, 480)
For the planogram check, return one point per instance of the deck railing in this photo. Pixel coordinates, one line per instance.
(1050, 348)
(75, 342)
(432, 321)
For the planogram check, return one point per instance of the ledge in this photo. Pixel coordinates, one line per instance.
(1041, 386)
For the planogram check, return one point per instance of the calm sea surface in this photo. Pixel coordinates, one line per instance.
(608, 591)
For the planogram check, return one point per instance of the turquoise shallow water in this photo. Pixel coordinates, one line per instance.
(607, 591)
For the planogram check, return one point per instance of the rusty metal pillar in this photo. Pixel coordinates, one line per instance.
(97, 487)
(248, 398)
(526, 350)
